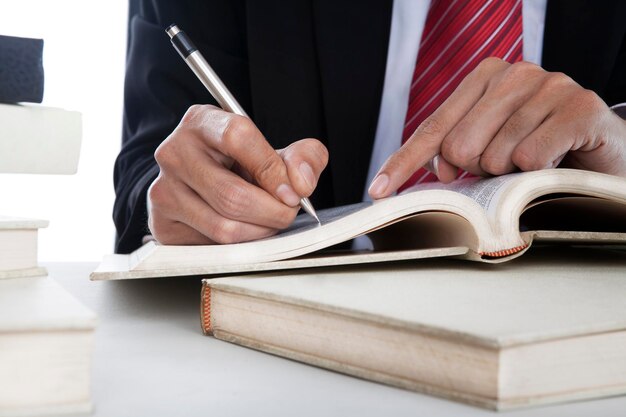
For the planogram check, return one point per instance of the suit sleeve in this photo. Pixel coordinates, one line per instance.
(159, 88)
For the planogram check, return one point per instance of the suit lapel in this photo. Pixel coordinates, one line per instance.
(352, 39)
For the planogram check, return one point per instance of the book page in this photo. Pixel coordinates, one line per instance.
(305, 222)
(486, 192)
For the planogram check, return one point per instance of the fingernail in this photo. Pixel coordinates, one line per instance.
(379, 185)
(307, 174)
(436, 165)
(288, 195)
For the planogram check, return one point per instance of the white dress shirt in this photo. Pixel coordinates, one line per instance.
(407, 24)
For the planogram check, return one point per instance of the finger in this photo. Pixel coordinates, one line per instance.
(441, 168)
(497, 158)
(305, 161)
(445, 171)
(187, 208)
(506, 92)
(239, 139)
(169, 232)
(163, 227)
(231, 196)
(426, 141)
(546, 146)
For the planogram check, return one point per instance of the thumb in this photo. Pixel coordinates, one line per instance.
(305, 161)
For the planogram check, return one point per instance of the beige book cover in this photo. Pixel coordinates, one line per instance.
(547, 327)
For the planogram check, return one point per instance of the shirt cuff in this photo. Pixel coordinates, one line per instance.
(620, 110)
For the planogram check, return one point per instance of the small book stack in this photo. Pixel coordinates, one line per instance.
(46, 335)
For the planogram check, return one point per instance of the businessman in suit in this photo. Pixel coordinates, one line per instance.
(378, 89)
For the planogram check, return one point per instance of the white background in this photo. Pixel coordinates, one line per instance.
(84, 58)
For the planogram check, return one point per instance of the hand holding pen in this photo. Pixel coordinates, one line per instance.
(221, 182)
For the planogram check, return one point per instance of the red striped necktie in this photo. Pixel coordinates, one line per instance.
(458, 34)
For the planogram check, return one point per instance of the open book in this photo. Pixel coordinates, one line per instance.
(490, 220)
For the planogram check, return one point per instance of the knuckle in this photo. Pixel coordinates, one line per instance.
(557, 81)
(519, 72)
(237, 129)
(165, 154)
(225, 231)
(286, 218)
(513, 127)
(489, 64)
(232, 200)
(321, 152)
(158, 193)
(266, 171)
(526, 160)
(458, 152)
(590, 101)
(494, 165)
(194, 114)
(431, 127)
(158, 228)
(522, 68)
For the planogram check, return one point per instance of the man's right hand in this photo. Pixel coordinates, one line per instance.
(221, 182)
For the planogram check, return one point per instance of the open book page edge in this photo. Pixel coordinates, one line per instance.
(116, 267)
(529, 186)
(312, 239)
(111, 265)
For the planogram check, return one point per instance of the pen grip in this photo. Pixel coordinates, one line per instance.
(212, 82)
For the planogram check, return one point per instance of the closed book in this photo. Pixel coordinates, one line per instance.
(18, 247)
(46, 344)
(544, 328)
(38, 139)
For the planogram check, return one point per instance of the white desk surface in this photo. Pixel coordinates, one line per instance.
(151, 359)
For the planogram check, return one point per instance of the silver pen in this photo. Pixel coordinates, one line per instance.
(216, 87)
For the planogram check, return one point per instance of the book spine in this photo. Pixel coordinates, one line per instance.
(504, 252)
(205, 309)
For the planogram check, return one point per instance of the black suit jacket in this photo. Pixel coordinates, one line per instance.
(308, 68)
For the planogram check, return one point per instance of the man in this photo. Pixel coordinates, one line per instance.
(324, 69)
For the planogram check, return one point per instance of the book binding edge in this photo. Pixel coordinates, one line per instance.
(205, 309)
(504, 252)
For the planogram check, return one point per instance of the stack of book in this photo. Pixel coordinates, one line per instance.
(531, 330)
(46, 335)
